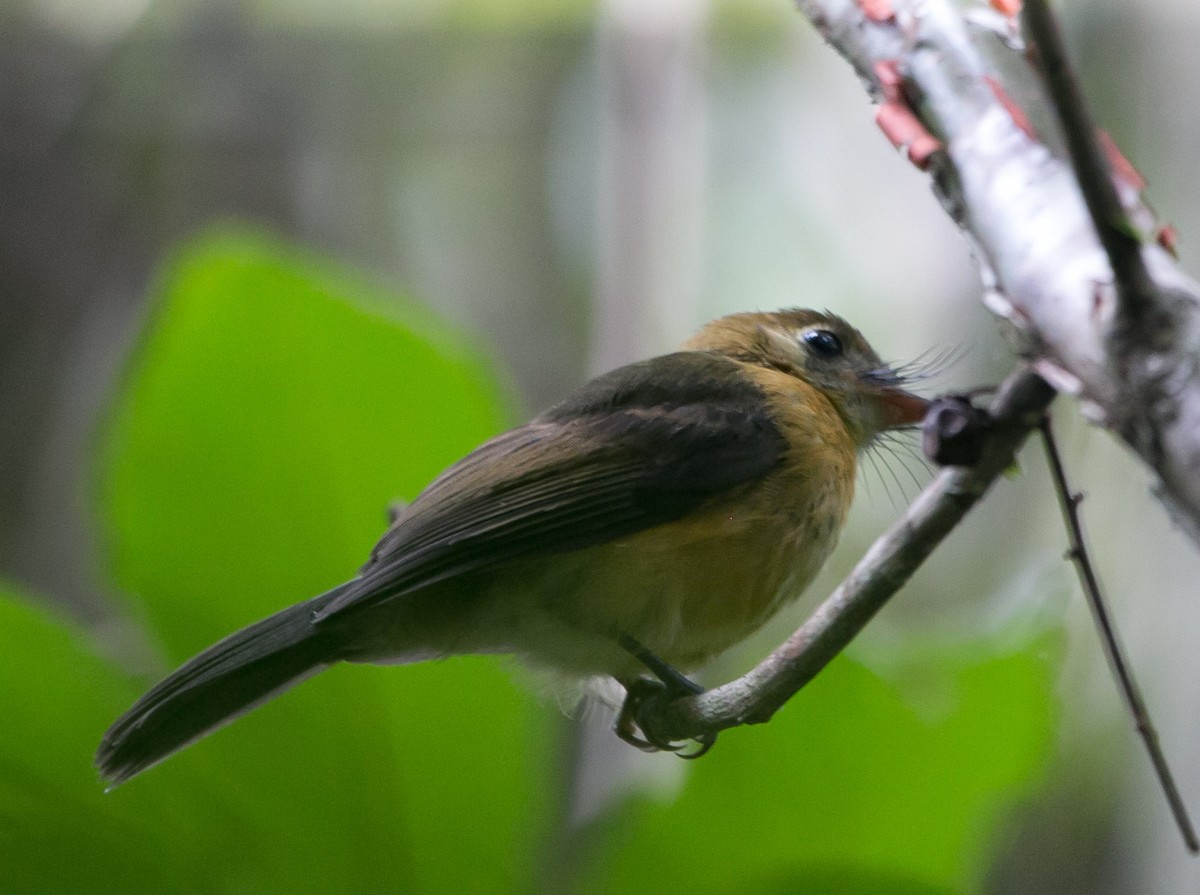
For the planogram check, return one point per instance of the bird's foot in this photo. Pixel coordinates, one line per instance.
(644, 701)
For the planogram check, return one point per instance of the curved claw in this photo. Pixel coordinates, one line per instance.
(639, 694)
(704, 742)
(628, 723)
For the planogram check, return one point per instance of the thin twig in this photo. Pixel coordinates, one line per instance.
(1135, 287)
(1069, 501)
(893, 558)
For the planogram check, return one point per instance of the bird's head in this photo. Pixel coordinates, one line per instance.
(826, 352)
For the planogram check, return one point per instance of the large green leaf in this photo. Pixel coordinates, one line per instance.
(273, 410)
(59, 832)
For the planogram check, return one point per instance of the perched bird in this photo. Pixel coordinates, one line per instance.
(651, 520)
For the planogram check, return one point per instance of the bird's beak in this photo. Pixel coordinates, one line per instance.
(901, 408)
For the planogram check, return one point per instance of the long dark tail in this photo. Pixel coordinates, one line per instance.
(229, 678)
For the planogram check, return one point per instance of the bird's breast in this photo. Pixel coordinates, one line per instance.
(691, 588)
(720, 575)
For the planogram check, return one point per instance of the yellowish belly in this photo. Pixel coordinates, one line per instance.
(686, 590)
(709, 582)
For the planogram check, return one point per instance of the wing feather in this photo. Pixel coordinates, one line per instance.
(636, 448)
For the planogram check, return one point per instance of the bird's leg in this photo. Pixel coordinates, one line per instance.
(641, 692)
(675, 683)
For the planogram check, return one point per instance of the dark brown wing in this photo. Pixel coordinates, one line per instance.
(638, 447)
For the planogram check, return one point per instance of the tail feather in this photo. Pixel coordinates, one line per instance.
(227, 679)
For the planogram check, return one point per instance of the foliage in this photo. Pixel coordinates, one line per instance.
(272, 411)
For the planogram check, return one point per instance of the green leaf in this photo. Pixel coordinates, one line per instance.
(273, 410)
(59, 832)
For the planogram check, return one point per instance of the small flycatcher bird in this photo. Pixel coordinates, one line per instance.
(656, 517)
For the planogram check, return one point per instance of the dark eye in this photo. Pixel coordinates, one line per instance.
(823, 343)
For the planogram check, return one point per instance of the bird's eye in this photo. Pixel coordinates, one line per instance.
(823, 343)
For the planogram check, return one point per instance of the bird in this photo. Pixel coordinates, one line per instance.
(657, 516)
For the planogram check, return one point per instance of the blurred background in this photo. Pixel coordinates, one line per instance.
(559, 188)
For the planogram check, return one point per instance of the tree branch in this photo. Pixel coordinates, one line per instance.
(753, 698)
(1069, 501)
(1020, 205)
(1135, 289)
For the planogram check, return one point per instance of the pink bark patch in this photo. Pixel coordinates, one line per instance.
(877, 10)
(1015, 112)
(904, 129)
(887, 73)
(1168, 237)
